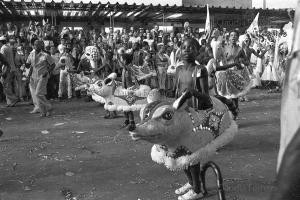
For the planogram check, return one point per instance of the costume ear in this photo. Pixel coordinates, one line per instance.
(180, 101)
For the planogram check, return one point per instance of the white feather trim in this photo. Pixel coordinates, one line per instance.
(202, 155)
(123, 108)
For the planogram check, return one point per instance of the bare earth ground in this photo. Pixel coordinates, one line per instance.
(95, 160)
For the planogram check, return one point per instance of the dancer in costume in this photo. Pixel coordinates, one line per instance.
(212, 67)
(233, 82)
(245, 42)
(125, 63)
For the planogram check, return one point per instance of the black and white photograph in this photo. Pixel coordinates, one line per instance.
(149, 99)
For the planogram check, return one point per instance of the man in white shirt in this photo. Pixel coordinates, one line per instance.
(42, 64)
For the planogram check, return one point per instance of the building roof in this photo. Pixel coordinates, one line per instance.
(80, 10)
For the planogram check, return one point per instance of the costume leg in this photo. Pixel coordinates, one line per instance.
(189, 176)
(195, 173)
(131, 121)
(126, 119)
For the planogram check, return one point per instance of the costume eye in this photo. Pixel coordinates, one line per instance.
(167, 115)
(99, 84)
(146, 114)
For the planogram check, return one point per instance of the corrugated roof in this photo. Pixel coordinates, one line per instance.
(93, 9)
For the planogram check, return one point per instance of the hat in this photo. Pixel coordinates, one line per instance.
(2, 38)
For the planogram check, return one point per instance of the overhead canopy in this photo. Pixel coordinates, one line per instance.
(96, 9)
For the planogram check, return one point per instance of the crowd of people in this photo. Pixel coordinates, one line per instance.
(38, 63)
(247, 59)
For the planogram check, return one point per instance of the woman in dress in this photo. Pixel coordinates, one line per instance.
(232, 83)
(248, 52)
(270, 75)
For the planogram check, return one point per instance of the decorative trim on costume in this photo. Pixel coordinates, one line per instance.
(161, 156)
(242, 93)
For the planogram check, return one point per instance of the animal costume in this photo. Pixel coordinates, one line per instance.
(183, 136)
(118, 98)
(86, 75)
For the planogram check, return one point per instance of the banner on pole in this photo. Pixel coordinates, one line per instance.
(254, 25)
(207, 23)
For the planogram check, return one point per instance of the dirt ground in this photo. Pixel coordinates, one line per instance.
(76, 151)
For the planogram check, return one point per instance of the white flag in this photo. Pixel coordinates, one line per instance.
(207, 23)
(254, 25)
(290, 103)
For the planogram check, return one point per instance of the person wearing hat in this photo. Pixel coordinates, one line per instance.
(42, 65)
(8, 80)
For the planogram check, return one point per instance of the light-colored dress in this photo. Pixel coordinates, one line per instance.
(233, 83)
(270, 72)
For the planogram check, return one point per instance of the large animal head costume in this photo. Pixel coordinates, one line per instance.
(92, 54)
(182, 135)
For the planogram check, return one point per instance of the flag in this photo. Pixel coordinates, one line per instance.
(253, 26)
(207, 23)
(290, 102)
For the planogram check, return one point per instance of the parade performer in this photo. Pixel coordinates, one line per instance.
(42, 64)
(233, 83)
(245, 42)
(85, 73)
(172, 127)
(127, 82)
(126, 96)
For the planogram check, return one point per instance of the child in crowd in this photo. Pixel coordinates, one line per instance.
(127, 81)
(66, 65)
(192, 81)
